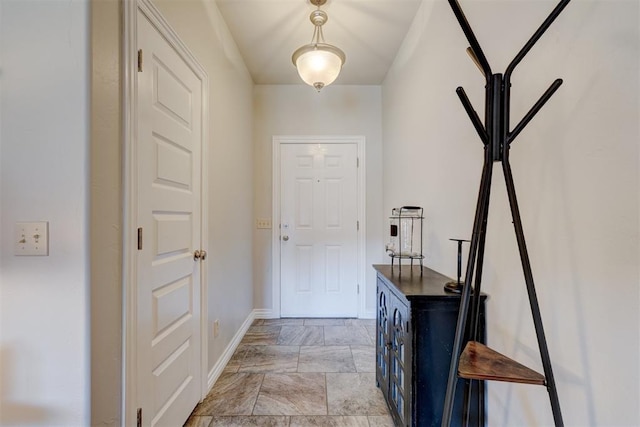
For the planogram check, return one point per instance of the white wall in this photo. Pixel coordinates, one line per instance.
(300, 110)
(576, 173)
(230, 164)
(44, 134)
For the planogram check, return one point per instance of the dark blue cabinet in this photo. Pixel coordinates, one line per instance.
(415, 328)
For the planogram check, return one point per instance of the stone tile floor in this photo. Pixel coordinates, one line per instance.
(298, 373)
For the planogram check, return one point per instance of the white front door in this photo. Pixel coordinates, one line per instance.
(319, 230)
(169, 143)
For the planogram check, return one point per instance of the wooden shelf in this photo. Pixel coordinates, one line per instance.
(479, 362)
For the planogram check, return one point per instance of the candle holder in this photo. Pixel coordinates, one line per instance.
(456, 286)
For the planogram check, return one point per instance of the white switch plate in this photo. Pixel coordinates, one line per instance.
(262, 223)
(31, 239)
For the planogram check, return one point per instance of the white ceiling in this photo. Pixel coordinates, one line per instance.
(269, 31)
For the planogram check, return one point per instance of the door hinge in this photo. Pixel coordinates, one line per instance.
(139, 418)
(357, 162)
(358, 225)
(358, 288)
(140, 238)
(139, 60)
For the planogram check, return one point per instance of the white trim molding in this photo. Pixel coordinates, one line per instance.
(369, 314)
(129, 270)
(277, 141)
(264, 313)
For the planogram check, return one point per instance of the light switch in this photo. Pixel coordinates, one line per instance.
(262, 223)
(31, 239)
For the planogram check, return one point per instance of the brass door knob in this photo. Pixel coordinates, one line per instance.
(199, 255)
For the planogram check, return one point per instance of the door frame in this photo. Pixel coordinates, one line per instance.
(277, 142)
(130, 197)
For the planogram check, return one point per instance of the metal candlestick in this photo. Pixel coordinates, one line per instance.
(456, 286)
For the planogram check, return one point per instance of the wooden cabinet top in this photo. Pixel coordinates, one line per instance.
(414, 285)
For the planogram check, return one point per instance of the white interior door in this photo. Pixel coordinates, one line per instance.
(319, 230)
(169, 143)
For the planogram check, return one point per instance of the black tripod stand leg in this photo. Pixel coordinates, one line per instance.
(531, 291)
(466, 413)
(480, 217)
(472, 333)
(477, 288)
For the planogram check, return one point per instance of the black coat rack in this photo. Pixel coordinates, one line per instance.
(478, 362)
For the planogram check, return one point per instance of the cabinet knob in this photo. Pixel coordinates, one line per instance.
(285, 238)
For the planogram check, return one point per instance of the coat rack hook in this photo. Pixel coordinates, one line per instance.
(534, 110)
(536, 36)
(477, 123)
(475, 60)
(471, 38)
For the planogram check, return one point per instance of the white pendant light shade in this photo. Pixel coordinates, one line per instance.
(318, 65)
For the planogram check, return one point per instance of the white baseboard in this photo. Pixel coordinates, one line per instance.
(264, 313)
(217, 369)
(368, 315)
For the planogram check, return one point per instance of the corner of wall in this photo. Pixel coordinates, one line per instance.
(106, 214)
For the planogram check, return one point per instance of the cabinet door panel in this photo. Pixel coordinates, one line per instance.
(382, 339)
(399, 360)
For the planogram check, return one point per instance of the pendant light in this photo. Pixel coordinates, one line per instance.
(318, 63)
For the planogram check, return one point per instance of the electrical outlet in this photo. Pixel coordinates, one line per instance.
(216, 328)
(263, 223)
(31, 239)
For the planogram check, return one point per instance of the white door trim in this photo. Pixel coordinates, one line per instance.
(129, 238)
(277, 141)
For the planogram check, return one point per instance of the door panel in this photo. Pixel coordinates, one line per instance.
(173, 164)
(304, 269)
(169, 131)
(333, 256)
(319, 214)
